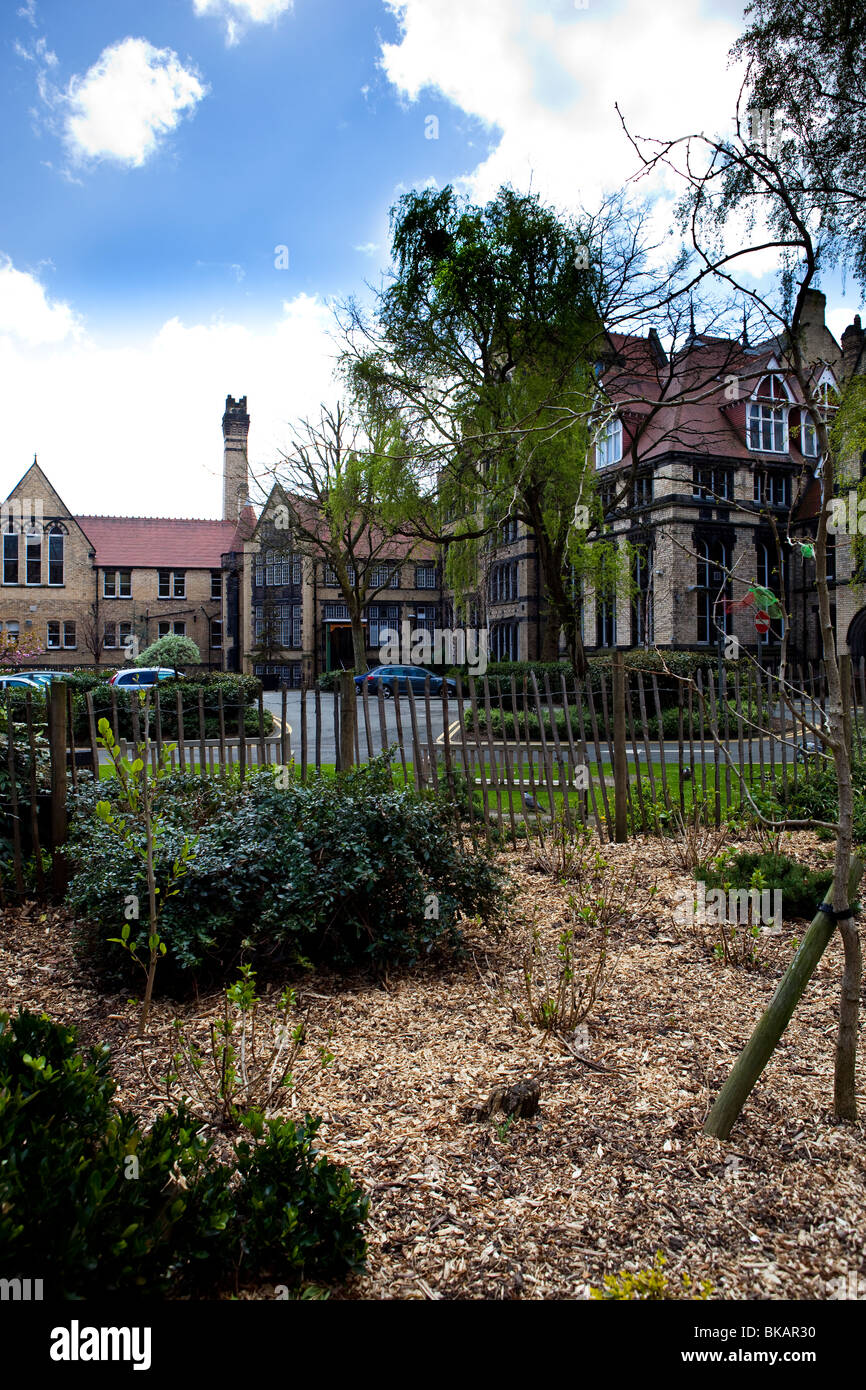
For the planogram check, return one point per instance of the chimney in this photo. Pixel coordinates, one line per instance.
(236, 478)
(852, 348)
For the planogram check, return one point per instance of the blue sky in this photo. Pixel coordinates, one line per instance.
(159, 154)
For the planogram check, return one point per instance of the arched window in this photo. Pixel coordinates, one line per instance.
(770, 578)
(713, 585)
(826, 403)
(767, 416)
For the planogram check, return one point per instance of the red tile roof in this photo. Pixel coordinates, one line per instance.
(149, 542)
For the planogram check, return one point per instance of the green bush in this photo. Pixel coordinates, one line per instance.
(818, 797)
(232, 687)
(336, 872)
(301, 1216)
(88, 1201)
(95, 1206)
(802, 889)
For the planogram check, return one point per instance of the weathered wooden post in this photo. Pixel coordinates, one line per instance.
(620, 759)
(57, 736)
(348, 718)
(776, 1017)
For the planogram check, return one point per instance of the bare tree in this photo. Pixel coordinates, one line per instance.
(347, 492)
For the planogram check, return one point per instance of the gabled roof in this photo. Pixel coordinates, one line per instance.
(147, 542)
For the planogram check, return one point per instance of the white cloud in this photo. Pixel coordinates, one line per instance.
(238, 13)
(135, 429)
(28, 12)
(39, 53)
(132, 97)
(367, 248)
(28, 315)
(544, 80)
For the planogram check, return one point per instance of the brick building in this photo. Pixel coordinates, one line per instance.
(85, 585)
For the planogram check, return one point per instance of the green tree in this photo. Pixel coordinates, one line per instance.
(484, 344)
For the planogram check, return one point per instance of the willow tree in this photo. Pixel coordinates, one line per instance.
(783, 183)
(485, 342)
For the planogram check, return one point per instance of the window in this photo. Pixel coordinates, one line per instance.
(713, 586)
(216, 635)
(508, 532)
(605, 620)
(336, 611)
(385, 577)
(331, 581)
(10, 558)
(60, 635)
(642, 490)
(503, 582)
(216, 584)
(642, 602)
(424, 619)
(279, 568)
(767, 417)
(180, 629)
(505, 641)
(608, 444)
(33, 564)
(425, 576)
(117, 583)
(172, 583)
(768, 578)
(116, 635)
(772, 489)
(808, 436)
(165, 628)
(830, 557)
(712, 483)
(381, 616)
(55, 558)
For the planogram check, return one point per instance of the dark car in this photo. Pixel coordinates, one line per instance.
(400, 678)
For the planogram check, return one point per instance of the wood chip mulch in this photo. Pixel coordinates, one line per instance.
(613, 1166)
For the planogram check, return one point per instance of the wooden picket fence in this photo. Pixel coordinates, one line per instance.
(511, 758)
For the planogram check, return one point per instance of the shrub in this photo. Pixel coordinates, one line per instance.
(338, 872)
(88, 1201)
(300, 1214)
(650, 1285)
(802, 889)
(817, 797)
(233, 688)
(95, 1206)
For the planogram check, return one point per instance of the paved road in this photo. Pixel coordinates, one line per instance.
(273, 702)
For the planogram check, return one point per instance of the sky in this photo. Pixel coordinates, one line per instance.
(192, 186)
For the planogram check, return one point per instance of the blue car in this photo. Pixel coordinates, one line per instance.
(400, 678)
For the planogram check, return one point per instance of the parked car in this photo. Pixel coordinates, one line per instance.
(140, 677)
(400, 678)
(20, 683)
(45, 677)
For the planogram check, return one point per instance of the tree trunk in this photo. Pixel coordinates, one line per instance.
(359, 645)
(775, 1019)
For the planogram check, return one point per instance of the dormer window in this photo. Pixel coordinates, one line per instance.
(767, 417)
(608, 444)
